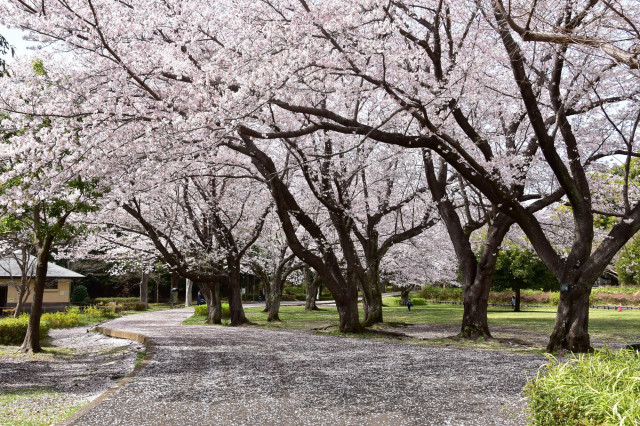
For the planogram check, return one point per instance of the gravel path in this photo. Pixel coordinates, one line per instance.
(224, 375)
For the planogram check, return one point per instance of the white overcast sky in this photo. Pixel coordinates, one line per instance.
(14, 37)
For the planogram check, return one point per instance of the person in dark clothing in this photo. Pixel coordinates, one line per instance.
(261, 296)
(200, 299)
(409, 305)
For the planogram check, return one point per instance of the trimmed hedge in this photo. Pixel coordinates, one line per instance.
(202, 310)
(627, 296)
(417, 301)
(297, 291)
(13, 330)
(595, 389)
(118, 300)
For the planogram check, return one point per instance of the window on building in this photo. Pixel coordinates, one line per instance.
(51, 284)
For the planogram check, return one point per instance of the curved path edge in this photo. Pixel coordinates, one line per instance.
(120, 334)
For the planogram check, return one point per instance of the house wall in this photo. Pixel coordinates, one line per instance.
(57, 296)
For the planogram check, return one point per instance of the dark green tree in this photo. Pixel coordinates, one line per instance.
(519, 268)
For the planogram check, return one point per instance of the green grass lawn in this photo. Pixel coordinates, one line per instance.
(604, 324)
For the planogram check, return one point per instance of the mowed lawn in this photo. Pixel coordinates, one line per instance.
(603, 324)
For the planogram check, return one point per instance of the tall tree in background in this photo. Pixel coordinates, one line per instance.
(519, 268)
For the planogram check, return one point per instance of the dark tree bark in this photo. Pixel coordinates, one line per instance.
(516, 308)
(572, 319)
(404, 294)
(311, 289)
(31, 341)
(326, 264)
(211, 293)
(235, 293)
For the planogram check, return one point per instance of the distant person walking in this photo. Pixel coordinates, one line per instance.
(513, 302)
(409, 305)
(200, 299)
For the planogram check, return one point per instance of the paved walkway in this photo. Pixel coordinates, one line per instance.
(221, 375)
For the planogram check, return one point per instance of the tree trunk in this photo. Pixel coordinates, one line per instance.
(372, 297)
(31, 341)
(267, 293)
(311, 286)
(211, 294)
(474, 318)
(23, 294)
(347, 304)
(404, 294)
(571, 330)
(235, 295)
(275, 296)
(517, 305)
(144, 288)
(476, 295)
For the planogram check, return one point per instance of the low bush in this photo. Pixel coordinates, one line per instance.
(100, 311)
(601, 388)
(69, 318)
(13, 330)
(417, 301)
(297, 291)
(202, 310)
(633, 290)
(139, 306)
(118, 300)
(441, 294)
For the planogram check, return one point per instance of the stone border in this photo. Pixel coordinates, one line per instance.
(120, 334)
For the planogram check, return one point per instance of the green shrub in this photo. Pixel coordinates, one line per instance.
(441, 294)
(80, 294)
(69, 318)
(13, 330)
(140, 306)
(297, 291)
(554, 298)
(100, 311)
(119, 300)
(394, 301)
(397, 301)
(202, 310)
(601, 388)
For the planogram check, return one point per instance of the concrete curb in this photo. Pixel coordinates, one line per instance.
(120, 334)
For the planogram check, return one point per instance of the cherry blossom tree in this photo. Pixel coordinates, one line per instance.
(522, 123)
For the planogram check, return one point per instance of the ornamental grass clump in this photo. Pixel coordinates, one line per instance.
(591, 389)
